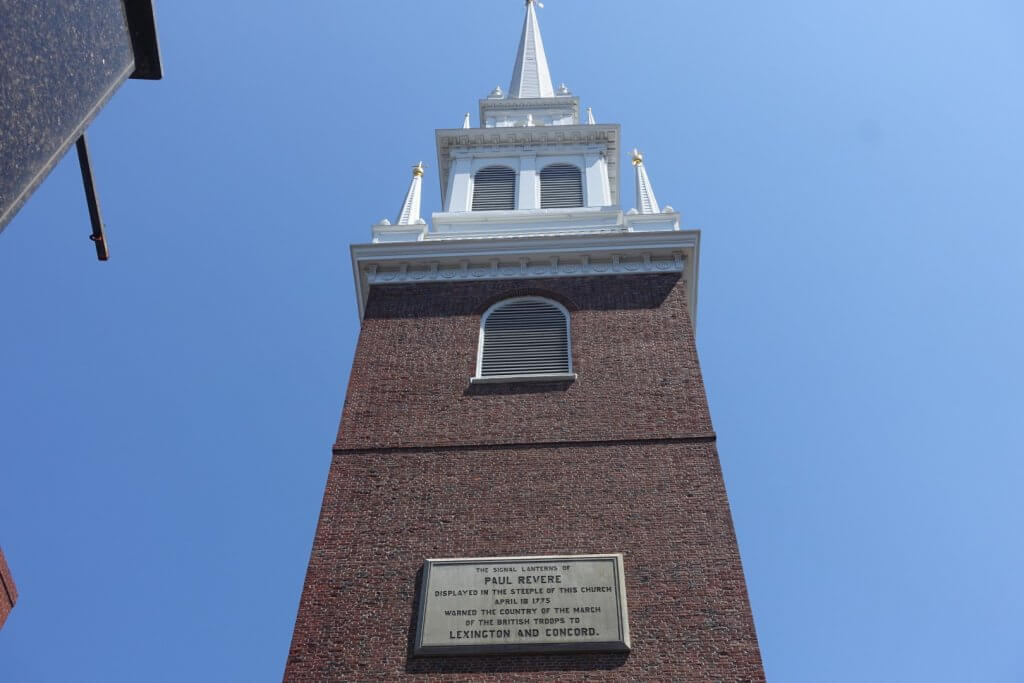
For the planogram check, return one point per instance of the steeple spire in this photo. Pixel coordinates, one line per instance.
(531, 77)
(645, 199)
(410, 213)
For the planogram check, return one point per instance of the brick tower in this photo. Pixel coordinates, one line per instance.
(525, 483)
(8, 591)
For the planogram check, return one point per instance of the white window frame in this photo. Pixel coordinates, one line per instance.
(532, 377)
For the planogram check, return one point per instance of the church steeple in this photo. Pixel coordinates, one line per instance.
(532, 170)
(531, 76)
(531, 100)
(530, 217)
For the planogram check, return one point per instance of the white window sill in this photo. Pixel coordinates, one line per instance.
(503, 379)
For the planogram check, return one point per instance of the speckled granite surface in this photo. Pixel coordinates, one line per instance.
(61, 60)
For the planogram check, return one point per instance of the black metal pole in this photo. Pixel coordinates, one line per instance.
(92, 200)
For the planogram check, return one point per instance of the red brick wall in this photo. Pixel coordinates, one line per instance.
(622, 460)
(632, 347)
(8, 592)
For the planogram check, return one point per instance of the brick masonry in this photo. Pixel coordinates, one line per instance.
(621, 460)
(8, 591)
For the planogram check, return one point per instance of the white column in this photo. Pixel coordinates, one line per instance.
(597, 188)
(529, 184)
(459, 197)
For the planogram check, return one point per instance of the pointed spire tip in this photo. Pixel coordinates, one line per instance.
(645, 200)
(531, 76)
(410, 211)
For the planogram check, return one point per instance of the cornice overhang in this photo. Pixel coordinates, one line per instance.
(538, 256)
(569, 103)
(605, 134)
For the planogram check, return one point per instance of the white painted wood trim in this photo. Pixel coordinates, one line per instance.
(505, 379)
(480, 379)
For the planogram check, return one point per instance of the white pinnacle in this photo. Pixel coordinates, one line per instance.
(410, 213)
(645, 199)
(465, 123)
(590, 117)
(531, 77)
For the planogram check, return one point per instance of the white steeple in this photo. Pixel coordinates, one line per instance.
(410, 213)
(645, 199)
(531, 77)
(532, 192)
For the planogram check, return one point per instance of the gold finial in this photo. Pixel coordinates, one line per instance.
(638, 158)
(417, 170)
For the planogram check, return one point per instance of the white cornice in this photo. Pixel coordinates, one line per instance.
(556, 102)
(541, 256)
(522, 222)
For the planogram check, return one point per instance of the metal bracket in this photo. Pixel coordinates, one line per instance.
(98, 238)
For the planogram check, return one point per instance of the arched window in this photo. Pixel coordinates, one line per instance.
(494, 189)
(561, 187)
(524, 339)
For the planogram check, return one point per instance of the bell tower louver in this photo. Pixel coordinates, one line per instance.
(525, 482)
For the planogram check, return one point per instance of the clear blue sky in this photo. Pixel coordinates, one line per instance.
(856, 170)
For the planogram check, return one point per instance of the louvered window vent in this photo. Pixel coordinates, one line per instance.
(561, 187)
(494, 189)
(524, 339)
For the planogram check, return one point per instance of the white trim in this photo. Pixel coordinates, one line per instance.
(588, 159)
(552, 255)
(504, 379)
(505, 224)
(528, 189)
(525, 268)
(476, 142)
(529, 377)
(546, 111)
(570, 160)
(596, 177)
(480, 163)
